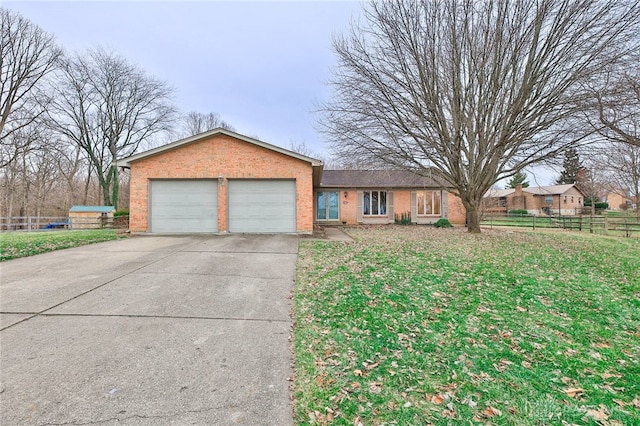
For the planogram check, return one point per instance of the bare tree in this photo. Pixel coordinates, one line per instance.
(616, 111)
(27, 55)
(108, 107)
(197, 122)
(478, 90)
(620, 163)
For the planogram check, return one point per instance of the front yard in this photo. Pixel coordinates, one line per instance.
(415, 325)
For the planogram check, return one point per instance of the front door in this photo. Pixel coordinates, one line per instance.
(327, 205)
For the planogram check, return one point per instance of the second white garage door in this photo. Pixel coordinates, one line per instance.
(262, 206)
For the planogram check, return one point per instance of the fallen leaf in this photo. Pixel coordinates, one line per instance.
(526, 364)
(619, 402)
(521, 309)
(357, 373)
(436, 399)
(597, 414)
(491, 412)
(375, 387)
(573, 392)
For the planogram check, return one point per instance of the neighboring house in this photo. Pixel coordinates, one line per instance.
(221, 181)
(618, 200)
(549, 200)
(378, 196)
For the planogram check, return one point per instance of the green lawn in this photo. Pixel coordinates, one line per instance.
(416, 325)
(21, 244)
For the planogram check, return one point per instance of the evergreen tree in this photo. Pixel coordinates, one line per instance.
(518, 179)
(570, 167)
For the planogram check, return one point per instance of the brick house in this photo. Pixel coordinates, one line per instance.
(619, 200)
(550, 200)
(378, 196)
(221, 181)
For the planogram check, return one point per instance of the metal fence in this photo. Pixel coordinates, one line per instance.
(40, 223)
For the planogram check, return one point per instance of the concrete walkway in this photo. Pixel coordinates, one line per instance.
(149, 331)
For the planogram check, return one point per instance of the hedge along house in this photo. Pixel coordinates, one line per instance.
(378, 196)
(221, 181)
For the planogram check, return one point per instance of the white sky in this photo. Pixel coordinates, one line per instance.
(262, 65)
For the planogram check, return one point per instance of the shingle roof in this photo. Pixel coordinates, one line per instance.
(499, 193)
(549, 190)
(379, 179)
(535, 190)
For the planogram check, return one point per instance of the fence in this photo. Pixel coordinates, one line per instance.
(39, 223)
(627, 226)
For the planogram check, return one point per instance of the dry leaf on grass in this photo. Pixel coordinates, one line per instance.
(573, 392)
(375, 387)
(597, 414)
(491, 412)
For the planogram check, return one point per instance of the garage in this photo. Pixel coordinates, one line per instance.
(183, 206)
(262, 205)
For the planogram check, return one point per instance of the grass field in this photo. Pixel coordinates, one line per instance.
(21, 244)
(416, 326)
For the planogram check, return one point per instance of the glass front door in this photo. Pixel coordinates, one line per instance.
(327, 205)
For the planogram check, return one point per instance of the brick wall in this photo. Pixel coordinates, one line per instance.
(401, 204)
(215, 156)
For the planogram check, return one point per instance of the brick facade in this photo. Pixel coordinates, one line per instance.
(401, 204)
(214, 156)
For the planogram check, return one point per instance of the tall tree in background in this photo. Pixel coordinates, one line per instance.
(108, 107)
(616, 103)
(197, 122)
(27, 55)
(570, 167)
(518, 179)
(478, 90)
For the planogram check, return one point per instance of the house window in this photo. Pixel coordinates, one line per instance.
(572, 199)
(580, 200)
(327, 205)
(565, 199)
(548, 199)
(374, 203)
(428, 202)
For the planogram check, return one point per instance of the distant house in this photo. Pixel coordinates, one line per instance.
(618, 200)
(537, 200)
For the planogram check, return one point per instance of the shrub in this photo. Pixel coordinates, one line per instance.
(598, 205)
(403, 218)
(520, 212)
(123, 212)
(443, 223)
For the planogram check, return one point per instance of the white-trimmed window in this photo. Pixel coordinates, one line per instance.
(428, 202)
(374, 203)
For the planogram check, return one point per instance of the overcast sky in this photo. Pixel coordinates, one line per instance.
(263, 66)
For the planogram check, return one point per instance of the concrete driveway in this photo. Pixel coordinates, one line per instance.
(149, 330)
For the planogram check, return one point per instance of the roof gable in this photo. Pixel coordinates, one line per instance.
(379, 179)
(126, 162)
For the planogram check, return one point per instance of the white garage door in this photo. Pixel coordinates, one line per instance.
(262, 206)
(183, 206)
